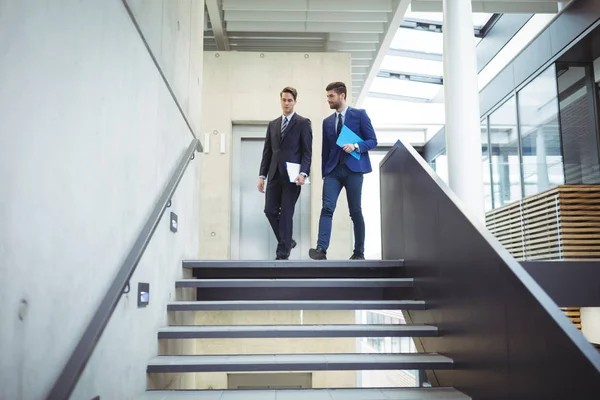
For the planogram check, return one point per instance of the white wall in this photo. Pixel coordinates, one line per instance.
(245, 87)
(89, 136)
(597, 69)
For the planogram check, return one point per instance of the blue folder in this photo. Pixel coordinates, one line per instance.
(347, 136)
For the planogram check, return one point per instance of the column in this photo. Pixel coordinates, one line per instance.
(463, 135)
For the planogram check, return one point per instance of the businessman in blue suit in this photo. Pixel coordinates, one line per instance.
(342, 170)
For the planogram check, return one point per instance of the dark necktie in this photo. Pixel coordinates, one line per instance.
(339, 129)
(283, 127)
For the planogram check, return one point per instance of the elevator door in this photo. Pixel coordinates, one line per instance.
(251, 235)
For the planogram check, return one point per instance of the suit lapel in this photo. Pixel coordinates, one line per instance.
(333, 122)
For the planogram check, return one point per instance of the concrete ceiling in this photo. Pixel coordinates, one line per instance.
(363, 28)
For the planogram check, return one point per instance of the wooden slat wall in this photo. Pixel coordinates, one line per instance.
(559, 224)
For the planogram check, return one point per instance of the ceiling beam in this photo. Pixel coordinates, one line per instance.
(302, 16)
(216, 20)
(399, 10)
(415, 54)
(436, 80)
(351, 47)
(309, 5)
(279, 26)
(362, 56)
(493, 6)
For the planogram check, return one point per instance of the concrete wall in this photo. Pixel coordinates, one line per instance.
(89, 137)
(244, 87)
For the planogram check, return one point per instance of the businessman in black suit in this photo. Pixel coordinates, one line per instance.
(289, 139)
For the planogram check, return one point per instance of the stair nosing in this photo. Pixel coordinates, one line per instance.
(254, 264)
(294, 282)
(259, 394)
(297, 305)
(298, 362)
(296, 331)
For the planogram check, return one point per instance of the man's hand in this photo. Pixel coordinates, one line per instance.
(261, 185)
(300, 180)
(348, 148)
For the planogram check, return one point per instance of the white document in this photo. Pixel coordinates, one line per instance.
(293, 172)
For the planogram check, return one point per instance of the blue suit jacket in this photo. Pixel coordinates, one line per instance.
(360, 123)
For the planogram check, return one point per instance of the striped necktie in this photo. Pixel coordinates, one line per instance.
(284, 126)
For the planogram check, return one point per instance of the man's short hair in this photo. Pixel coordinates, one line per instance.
(338, 87)
(290, 90)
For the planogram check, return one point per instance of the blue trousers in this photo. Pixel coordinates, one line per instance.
(342, 177)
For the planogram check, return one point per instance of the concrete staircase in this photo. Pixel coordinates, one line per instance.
(297, 285)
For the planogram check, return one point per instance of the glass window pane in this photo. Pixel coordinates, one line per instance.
(540, 137)
(578, 125)
(424, 16)
(423, 41)
(412, 65)
(504, 146)
(405, 88)
(395, 345)
(480, 19)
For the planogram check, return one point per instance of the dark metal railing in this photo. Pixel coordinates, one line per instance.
(507, 336)
(64, 385)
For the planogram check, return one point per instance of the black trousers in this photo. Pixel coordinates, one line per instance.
(280, 203)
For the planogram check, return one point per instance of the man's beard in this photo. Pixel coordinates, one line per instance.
(335, 106)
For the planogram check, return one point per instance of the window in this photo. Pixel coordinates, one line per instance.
(420, 41)
(504, 146)
(577, 125)
(377, 343)
(405, 88)
(540, 135)
(412, 65)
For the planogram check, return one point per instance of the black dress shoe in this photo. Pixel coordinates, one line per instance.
(317, 254)
(293, 243)
(357, 257)
(282, 258)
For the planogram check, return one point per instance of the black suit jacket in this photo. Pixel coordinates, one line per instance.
(295, 146)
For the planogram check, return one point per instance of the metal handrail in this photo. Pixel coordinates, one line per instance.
(68, 378)
(160, 71)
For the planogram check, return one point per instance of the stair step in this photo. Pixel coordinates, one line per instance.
(312, 394)
(296, 283)
(295, 331)
(297, 305)
(294, 264)
(296, 269)
(298, 362)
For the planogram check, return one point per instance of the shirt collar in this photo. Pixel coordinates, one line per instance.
(343, 113)
(289, 117)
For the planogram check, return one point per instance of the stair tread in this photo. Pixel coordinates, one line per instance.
(313, 394)
(298, 362)
(293, 264)
(296, 305)
(297, 282)
(258, 331)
